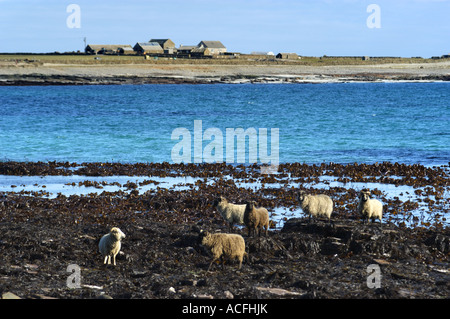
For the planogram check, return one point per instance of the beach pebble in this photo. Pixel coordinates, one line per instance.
(10, 295)
(228, 294)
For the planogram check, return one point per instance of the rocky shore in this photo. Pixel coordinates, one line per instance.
(45, 80)
(68, 74)
(161, 257)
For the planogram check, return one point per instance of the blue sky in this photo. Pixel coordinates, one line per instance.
(307, 27)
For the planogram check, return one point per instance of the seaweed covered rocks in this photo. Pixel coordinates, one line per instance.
(161, 257)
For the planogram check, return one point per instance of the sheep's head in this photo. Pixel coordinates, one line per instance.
(117, 233)
(218, 200)
(364, 196)
(249, 206)
(202, 235)
(301, 196)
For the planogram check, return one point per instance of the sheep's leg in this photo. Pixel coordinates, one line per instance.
(114, 260)
(214, 259)
(106, 258)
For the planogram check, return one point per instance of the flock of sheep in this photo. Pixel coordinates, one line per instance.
(232, 246)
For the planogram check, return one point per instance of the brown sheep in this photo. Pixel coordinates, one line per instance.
(256, 218)
(222, 245)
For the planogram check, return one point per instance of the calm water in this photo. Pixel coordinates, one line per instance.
(350, 122)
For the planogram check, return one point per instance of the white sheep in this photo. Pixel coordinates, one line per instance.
(369, 208)
(230, 246)
(316, 205)
(110, 245)
(232, 213)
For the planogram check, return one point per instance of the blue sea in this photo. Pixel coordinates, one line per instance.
(342, 123)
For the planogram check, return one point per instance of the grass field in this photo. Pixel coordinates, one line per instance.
(240, 60)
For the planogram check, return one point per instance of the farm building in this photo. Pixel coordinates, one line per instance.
(269, 53)
(148, 48)
(164, 43)
(186, 49)
(109, 49)
(202, 51)
(167, 45)
(215, 47)
(287, 56)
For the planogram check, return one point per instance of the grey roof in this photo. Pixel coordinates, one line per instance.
(212, 44)
(198, 50)
(98, 47)
(187, 47)
(162, 42)
(149, 46)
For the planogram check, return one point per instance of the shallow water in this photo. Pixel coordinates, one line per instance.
(52, 186)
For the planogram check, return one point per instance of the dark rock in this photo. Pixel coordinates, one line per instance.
(440, 241)
(332, 246)
(138, 273)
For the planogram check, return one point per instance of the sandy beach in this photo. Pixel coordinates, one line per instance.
(78, 74)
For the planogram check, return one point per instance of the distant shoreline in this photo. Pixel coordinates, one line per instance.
(43, 74)
(44, 80)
